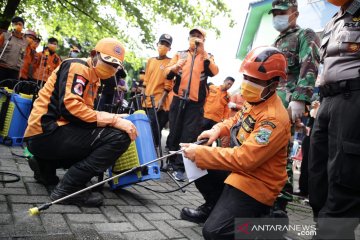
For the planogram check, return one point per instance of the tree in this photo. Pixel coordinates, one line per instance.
(8, 13)
(87, 21)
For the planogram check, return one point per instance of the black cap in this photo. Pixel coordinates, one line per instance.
(17, 19)
(166, 38)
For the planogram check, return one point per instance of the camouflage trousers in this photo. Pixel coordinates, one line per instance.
(285, 195)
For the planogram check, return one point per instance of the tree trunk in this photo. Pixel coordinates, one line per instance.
(8, 14)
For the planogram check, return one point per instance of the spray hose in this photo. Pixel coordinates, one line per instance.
(36, 210)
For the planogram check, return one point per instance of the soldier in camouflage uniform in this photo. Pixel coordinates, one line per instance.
(300, 47)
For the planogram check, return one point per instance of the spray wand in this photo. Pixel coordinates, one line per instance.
(36, 210)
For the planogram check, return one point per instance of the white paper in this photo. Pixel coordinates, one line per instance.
(192, 171)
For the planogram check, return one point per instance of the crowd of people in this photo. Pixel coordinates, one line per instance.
(258, 130)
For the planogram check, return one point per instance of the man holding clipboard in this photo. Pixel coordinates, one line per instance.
(259, 135)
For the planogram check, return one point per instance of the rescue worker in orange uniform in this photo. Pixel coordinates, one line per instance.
(155, 84)
(216, 104)
(235, 104)
(46, 61)
(260, 133)
(30, 52)
(26, 71)
(184, 125)
(64, 130)
(12, 50)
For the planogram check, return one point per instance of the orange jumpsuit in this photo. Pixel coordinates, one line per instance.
(258, 165)
(199, 74)
(26, 71)
(79, 86)
(215, 107)
(155, 82)
(45, 64)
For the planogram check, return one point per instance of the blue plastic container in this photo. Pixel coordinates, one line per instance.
(145, 152)
(16, 119)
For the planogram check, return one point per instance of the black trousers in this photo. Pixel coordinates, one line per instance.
(303, 180)
(207, 124)
(86, 152)
(211, 185)
(163, 118)
(7, 73)
(334, 165)
(232, 204)
(185, 129)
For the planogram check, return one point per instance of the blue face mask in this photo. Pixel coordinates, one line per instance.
(74, 54)
(281, 22)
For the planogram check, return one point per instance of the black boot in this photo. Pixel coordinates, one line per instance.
(84, 199)
(198, 215)
(44, 172)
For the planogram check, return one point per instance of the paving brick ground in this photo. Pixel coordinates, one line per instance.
(131, 213)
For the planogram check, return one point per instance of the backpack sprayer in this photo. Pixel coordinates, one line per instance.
(36, 210)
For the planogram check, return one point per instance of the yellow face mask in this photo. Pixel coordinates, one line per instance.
(162, 50)
(251, 92)
(52, 47)
(338, 3)
(18, 28)
(29, 40)
(141, 77)
(192, 41)
(103, 70)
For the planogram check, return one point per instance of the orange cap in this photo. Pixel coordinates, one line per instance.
(111, 51)
(264, 63)
(200, 30)
(30, 32)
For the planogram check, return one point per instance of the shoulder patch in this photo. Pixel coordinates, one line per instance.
(263, 136)
(268, 123)
(79, 85)
(248, 124)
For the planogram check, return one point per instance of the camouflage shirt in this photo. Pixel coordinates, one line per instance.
(301, 48)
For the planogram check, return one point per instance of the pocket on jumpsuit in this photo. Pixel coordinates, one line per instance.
(350, 165)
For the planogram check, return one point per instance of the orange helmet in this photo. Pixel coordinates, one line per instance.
(31, 32)
(111, 50)
(264, 63)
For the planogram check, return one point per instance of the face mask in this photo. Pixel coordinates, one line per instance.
(103, 70)
(192, 41)
(18, 28)
(52, 47)
(252, 92)
(32, 43)
(74, 54)
(162, 50)
(338, 3)
(141, 77)
(30, 40)
(281, 22)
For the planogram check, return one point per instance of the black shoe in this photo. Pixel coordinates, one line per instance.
(198, 215)
(280, 204)
(47, 178)
(84, 199)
